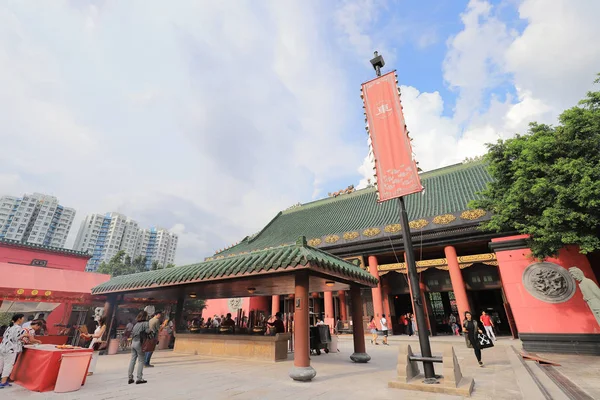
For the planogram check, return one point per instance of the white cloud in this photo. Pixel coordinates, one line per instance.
(475, 58)
(550, 66)
(205, 117)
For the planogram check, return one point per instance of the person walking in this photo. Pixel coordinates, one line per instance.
(471, 328)
(384, 329)
(11, 346)
(488, 325)
(413, 323)
(373, 329)
(150, 344)
(140, 332)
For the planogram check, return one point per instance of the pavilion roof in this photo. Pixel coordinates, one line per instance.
(261, 262)
(350, 218)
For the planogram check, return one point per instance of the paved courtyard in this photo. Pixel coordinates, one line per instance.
(179, 376)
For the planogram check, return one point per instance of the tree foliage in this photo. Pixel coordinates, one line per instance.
(122, 264)
(547, 183)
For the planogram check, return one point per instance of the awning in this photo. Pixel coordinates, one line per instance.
(25, 283)
(27, 307)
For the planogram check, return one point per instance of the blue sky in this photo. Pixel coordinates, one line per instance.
(207, 118)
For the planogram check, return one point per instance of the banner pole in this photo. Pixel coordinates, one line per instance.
(413, 276)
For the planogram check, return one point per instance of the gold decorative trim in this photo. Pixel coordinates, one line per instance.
(34, 292)
(20, 291)
(351, 235)
(444, 219)
(393, 228)
(372, 232)
(477, 258)
(472, 215)
(332, 239)
(418, 224)
(442, 263)
(47, 293)
(314, 242)
(360, 259)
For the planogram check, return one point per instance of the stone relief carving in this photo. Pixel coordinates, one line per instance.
(234, 304)
(548, 282)
(589, 290)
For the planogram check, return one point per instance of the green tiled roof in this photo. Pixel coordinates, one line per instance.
(254, 263)
(45, 248)
(447, 190)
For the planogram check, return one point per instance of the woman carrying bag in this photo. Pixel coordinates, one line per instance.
(474, 336)
(96, 344)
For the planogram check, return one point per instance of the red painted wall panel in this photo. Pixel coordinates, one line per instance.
(17, 255)
(533, 315)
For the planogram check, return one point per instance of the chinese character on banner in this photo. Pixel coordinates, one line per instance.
(396, 171)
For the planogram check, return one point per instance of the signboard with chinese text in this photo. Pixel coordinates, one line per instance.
(395, 169)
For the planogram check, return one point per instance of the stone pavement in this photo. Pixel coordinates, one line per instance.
(179, 376)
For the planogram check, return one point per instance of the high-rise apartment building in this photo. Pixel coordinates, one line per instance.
(35, 219)
(157, 244)
(104, 235)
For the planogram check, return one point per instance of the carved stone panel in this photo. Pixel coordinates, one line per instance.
(548, 282)
(234, 304)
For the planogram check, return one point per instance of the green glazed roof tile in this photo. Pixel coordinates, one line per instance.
(447, 190)
(274, 259)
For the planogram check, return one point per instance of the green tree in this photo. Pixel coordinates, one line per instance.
(547, 183)
(116, 266)
(139, 264)
(170, 265)
(155, 265)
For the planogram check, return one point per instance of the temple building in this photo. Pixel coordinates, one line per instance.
(461, 267)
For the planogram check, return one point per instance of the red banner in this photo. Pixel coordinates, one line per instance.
(395, 169)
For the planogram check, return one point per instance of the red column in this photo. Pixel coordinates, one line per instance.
(358, 331)
(376, 291)
(275, 304)
(316, 304)
(329, 315)
(458, 284)
(343, 308)
(302, 371)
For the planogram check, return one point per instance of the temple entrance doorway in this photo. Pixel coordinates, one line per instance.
(484, 290)
(442, 304)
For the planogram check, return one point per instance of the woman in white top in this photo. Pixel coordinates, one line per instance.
(96, 338)
(11, 346)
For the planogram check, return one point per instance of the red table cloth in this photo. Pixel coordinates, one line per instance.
(37, 367)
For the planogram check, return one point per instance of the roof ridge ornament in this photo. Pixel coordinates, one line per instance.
(301, 241)
(348, 190)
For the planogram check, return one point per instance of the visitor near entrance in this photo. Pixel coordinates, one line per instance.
(384, 329)
(488, 325)
(141, 332)
(471, 329)
(277, 324)
(150, 344)
(373, 330)
(96, 338)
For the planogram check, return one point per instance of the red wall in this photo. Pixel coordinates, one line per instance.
(19, 255)
(533, 315)
(221, 307)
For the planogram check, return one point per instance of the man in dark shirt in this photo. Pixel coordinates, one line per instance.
(228, 322)
(278, 323)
